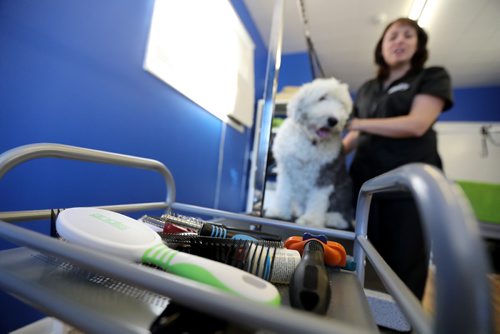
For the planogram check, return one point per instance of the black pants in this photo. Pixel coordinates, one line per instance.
(395, 230)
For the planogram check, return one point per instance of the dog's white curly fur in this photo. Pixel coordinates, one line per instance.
(308, 142)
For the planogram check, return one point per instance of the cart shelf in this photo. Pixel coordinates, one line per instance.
(98, 293)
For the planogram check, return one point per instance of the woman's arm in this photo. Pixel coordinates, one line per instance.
(424, 112)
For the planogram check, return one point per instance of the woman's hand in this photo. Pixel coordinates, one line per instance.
(350, 141)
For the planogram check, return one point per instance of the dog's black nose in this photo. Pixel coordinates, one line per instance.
(332, 121)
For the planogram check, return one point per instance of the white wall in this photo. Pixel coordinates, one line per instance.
(461, 148)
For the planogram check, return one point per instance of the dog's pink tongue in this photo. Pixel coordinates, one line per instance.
(323, 132)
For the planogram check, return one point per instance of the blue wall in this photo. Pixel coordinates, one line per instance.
(295, 70)
(479, 104)
(71, 73)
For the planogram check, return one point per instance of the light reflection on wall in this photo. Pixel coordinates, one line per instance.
(201, 49)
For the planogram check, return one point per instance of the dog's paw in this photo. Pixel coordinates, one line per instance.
(311, 221)
(276, 213)
(336, 220)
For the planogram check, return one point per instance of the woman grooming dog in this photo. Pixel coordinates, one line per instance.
(391, 126)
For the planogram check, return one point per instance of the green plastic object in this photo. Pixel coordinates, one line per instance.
(484, 199)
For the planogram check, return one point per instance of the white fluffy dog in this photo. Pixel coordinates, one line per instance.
(312, 182)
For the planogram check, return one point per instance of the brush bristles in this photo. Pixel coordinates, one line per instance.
(184, 221)
(266, 259)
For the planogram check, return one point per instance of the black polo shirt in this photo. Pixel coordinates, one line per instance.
(377, 154)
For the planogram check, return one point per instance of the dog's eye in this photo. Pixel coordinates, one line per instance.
(322, 98)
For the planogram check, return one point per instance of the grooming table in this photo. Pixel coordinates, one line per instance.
(97, 293)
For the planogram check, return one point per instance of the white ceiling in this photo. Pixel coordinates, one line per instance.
(464, 35)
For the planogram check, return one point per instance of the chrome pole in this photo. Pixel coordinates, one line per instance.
(270, 88)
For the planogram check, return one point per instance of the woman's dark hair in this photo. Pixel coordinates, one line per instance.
(419, 58)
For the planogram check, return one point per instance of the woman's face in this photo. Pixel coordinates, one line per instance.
(399, 45)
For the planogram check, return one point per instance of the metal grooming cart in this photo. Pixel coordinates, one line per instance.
(102, 294)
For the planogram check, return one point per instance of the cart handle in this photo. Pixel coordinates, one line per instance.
(18, 155)
(463, 302)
